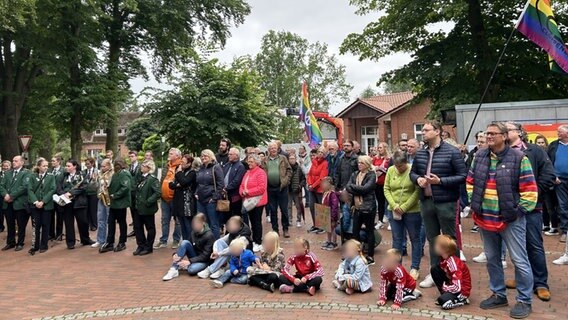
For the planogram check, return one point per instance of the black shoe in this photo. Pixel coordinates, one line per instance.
(59, 238)
(137, 252)
(71, 247)
(19, 247)
(493, 302)
(120, 247)
(107, 247)
(8, 247)
(88, 243)
(93, 228)
(42, 250)
(520, 311)
(131, 234)
(370, 261)
(32, 251)
(267, 287)
(145, 252)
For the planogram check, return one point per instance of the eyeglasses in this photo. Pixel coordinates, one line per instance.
(492, 134)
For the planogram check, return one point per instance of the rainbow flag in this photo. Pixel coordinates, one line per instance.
(307, 117)
(538, 24)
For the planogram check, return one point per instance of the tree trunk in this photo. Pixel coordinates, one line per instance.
(75, 92)
(113, 73)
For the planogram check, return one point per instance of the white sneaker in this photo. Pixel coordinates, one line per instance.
(481, 258)
(217, 274)
(563, 260)
(268, 219)
(462, 256)
(428, 282)
(256, 248)
(172, 273)
(205, 274)
(379, 225)
(95, 245)
(389, 227)
(298, 224)
(465, 212)
(216, 284)
(504, 264)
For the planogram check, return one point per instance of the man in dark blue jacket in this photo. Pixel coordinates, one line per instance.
(439, 170)
(233, 171)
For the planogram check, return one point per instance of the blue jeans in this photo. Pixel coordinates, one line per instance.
(185, 226)
(186, 250)
(102, 222)
(219, 246)
(562, 194)
(228, 276)
(535, 250)
(411, 223)
(515, 237)
(167, 209)
(278, 198)
(210, 210)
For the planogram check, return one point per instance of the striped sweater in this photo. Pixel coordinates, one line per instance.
(490, 217)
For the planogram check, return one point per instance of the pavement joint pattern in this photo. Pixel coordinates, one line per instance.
(361, 308)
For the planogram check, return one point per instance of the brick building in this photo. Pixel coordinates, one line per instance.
(94, 142)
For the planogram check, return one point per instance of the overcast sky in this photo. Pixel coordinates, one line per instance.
(328, 21)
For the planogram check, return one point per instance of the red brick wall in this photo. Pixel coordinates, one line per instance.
(404, 120)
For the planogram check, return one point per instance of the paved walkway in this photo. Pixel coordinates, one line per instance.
(82, 283)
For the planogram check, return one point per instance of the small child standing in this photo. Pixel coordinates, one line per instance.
(309, 272)
(396, 283)
(346, 220)
(330, 200)
(241, 259)
(266, 273)
(353, 274)
(451, 276)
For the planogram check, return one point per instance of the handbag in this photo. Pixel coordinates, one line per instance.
(250, 203)
(223, 204)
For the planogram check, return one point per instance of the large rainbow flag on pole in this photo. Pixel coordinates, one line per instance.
(537, 23)
(307, 116)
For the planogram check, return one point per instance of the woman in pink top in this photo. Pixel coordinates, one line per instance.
(253, 190)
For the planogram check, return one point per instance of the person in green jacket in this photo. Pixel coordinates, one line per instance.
(404, 209)
(40, 192)
(120, 198)
(14, 190)
(147, 195)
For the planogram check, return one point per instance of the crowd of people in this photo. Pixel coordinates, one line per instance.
(515, 190)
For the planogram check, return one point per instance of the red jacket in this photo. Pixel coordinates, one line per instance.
(255, 182)
(382, 163)
(400, 278)
(306, 265)
(318, 171)
(458, 273)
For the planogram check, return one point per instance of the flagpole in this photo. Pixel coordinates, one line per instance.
(489, 83)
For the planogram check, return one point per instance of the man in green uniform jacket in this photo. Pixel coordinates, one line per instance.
(14, 190)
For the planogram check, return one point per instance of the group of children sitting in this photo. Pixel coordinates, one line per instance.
(303, 272)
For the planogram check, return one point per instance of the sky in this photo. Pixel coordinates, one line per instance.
(328, 21)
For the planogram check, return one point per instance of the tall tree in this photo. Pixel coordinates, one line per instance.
(166, 32)
(210, 102)
(285, 59)
(138, 131)
(367, 93)
(454, 47)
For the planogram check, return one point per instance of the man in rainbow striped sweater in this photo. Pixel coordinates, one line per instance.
(502, 190)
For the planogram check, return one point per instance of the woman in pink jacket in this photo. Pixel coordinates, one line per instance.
(253, 190)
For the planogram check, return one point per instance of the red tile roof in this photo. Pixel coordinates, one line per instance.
(382, 103)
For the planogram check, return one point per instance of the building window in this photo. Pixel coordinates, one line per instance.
(121, 131)
(100, 132)
(418, 131)
(369, 138)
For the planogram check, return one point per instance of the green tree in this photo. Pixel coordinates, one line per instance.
(395, 87)
(367, 93)
(286, 59)
(453, 65)
(166, 31)
(138, 131)
(289, 130)
(210, 102)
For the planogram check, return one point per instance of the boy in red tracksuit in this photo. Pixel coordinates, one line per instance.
(396, 283)
(309, 272)
(451, 276)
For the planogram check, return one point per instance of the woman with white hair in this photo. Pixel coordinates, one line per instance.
(147, 196)
(209, 187)
(362, 186)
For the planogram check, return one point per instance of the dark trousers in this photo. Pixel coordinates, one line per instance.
(535, 250)
(11, 224)
(57, 222)
(255, 217)
(42, 224)
(315, 197)
(80, 214)
(92, 207)
(144, 240)
(550, 209)
(133, 211)
(447, 300)
(381, 201)
(367, 219)
(2, 215)
(22, 218)
(278, 199)
(114, 216)
(303, 287)
(260, 280)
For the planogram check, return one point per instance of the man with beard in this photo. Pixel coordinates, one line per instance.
(347, 165)
(222, 156)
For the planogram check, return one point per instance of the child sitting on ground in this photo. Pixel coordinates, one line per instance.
(265, 274)
(330, 200)
(451, 276)
(396, 283)
(241, 259)
(353, 274)
(309, 272)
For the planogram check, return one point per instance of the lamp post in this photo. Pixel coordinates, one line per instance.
(163, 139)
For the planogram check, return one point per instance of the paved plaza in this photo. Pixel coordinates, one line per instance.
(82, 283)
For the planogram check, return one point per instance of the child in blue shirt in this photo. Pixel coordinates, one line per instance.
(241, 259)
